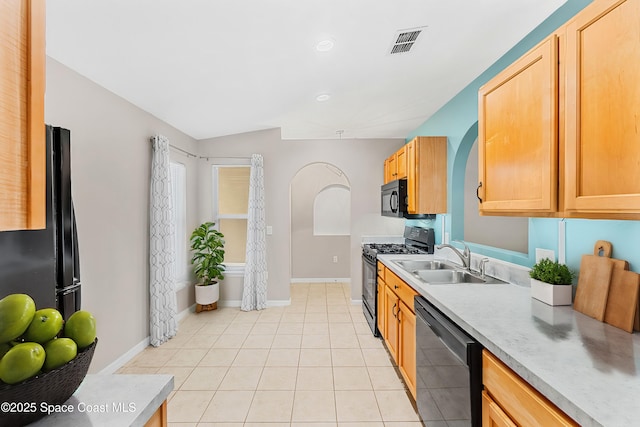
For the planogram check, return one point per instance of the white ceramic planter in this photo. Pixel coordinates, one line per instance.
(209, 294)
(551, 294)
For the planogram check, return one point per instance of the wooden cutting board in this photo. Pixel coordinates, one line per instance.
(605, 249)
(593, 286)
(622, 302)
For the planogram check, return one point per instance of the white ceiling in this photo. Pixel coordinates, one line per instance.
(220, 67)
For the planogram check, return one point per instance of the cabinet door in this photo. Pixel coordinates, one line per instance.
(518, 135)
(387, 172)
(391, 168)
(427, 175)
(493, 415)
(602, 131)
(525, 405)
(391, 322)
(407, 347)
(401, 163)
(381, 318)
(22, 129)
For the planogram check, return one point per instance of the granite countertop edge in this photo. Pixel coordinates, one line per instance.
(113, 399)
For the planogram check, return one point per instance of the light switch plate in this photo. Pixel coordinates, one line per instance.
(269, 230)
(545, 253)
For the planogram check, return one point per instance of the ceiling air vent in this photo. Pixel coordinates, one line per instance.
(405, 39)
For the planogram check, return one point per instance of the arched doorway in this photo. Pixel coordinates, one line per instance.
(320, 224)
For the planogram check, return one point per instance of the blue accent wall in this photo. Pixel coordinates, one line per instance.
(458, 120)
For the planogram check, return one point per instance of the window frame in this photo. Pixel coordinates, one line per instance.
(230, 267)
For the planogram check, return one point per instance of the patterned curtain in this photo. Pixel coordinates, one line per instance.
(254, 296)
(163, 306)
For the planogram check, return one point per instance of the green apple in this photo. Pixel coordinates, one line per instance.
(4, 347)
(59, 351)
(81, 327)
(21, 362)
(46, 324)
(16, 313)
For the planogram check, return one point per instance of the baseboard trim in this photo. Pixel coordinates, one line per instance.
(322, 280)
(133, 351)
(122, 360)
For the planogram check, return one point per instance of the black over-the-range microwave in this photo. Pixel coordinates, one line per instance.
(394, 201)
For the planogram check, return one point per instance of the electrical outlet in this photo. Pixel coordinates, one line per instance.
(335, 258)
(269, 230)
(545, 253)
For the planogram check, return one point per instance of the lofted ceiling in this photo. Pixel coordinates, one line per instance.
(218, 67)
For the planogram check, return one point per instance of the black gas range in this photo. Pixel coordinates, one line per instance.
(417, 240)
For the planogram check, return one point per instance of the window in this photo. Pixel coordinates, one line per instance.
(231, 204)
(179, 200)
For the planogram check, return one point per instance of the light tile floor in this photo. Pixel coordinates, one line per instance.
(314, 363)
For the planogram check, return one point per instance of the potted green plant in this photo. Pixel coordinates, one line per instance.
(207, 245)
(551, 282)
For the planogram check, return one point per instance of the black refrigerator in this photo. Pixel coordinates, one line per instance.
(44, 263)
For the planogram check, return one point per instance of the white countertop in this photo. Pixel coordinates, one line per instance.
(589, 369)
(111, 400)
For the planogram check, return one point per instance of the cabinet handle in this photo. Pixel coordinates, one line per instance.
(478, 192)
(392, 312)
(395, 286)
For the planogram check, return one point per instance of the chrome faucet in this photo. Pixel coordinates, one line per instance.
(483, 267)
(465, 256)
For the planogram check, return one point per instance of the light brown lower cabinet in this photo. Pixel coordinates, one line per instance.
(407, 346)
(391, 323)
(508, 400)
(492, 413)
(381, 318)
(399, 329)
(159, 418)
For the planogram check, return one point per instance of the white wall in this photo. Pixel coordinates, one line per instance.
(110, 161)
(360, 159)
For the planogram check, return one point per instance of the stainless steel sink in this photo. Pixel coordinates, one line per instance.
(440, 277)
(412, 265)
(446, 276)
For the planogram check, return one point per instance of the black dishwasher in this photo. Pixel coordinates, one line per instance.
(448, 370)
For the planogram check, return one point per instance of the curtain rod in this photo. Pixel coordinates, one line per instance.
(183, 151)
(224, 157)
(206, 157)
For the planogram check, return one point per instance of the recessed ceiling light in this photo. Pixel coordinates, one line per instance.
(323, 97)
(325, 45)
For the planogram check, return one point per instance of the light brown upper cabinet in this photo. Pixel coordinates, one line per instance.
(427, 175)
(518, 135)
(558, 130)
(602, 175)
(395, 167)
(22, 129)
(390, 168)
